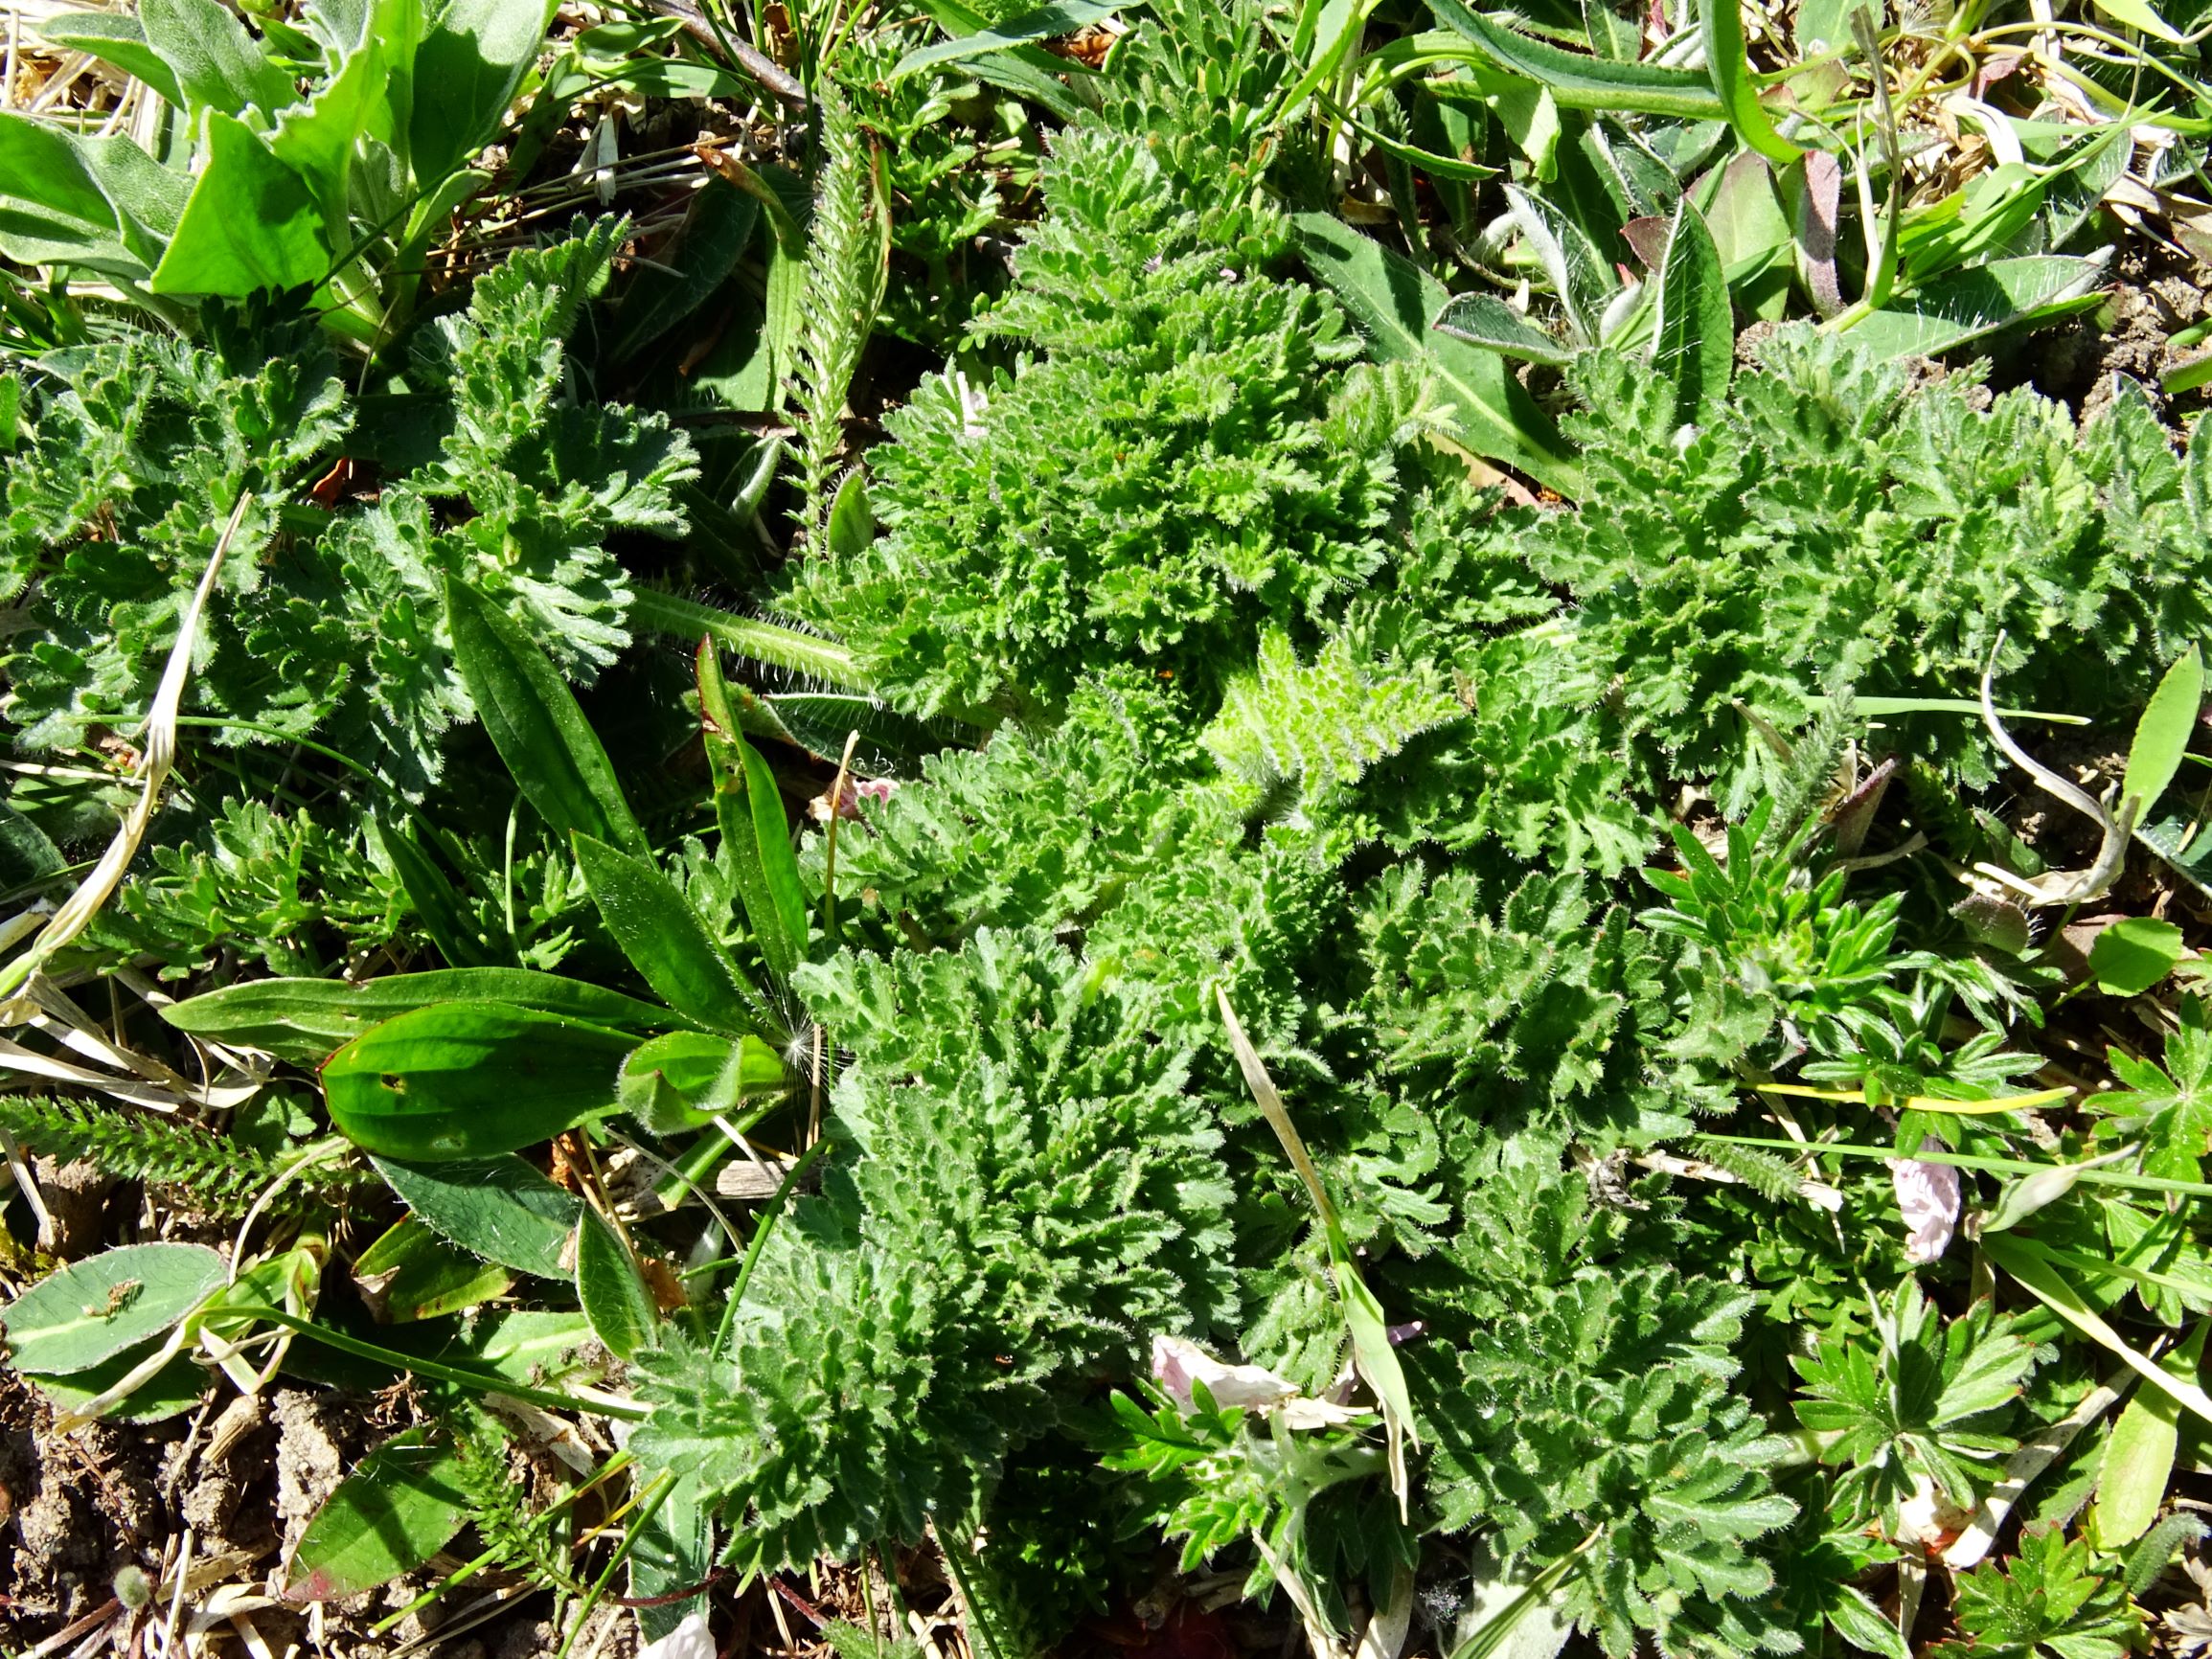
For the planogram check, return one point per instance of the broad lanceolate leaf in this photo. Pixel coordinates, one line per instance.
(1026, 69)
(674, 1552)
(93, 1310)
(1721, 27)
(2140, 15)
(1393, 302)
(176, 1388)
(2162, 734)
(2031, 1265)
(1578, 82)
(399, 1507)
(665, 940)
(1582, 282)
(500, 1209)
(251, 224)
(1861, 1623)
(433, 897)
(119, 40)
(213, 61)
(102, 204)
(305, 1019)
(720, 224)
(1696, 344)
(614, 1299)
(317, 138)
(1963, 306)
(755, 834)
(1485, 320)
(686, 1079)
(2139, 1457)
(532, 718)
(410, 1273)
(467, 69)
(468, 1080)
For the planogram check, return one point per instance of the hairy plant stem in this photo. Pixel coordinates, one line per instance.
(779, 646)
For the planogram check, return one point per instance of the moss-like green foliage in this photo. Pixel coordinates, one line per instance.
(1184, 462)
(329, 624)
(1031, 1187)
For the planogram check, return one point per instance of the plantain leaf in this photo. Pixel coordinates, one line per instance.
(1578, 82)
(120, 41)
(1487, 321)
(469, 1079)
(433, 897)
(410, 1273)
(1695, 346)
(499, 1208)
(304, 1019)
(1045, 23)
(93, 1310)
(212, 58)
(755, 834)
(1727, 62)
(532, 718)
(2139, 1457)
(1393, 302)
(401, 1505)
(251, 222)
(614, 1298)
(2162, 734)
(1964, 306)
(686, 1079)
(667, 943)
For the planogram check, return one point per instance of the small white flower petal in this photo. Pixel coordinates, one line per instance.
(1929, 1197)
(1176, 1364)
(691, 1639)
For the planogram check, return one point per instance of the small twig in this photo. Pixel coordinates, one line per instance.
(2065, 887)
(743, 53)
(2034, 1456)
